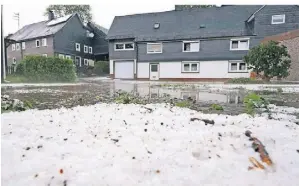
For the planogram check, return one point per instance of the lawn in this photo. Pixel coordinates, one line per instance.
(115, 144)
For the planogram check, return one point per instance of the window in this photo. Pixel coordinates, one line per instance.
(278, 19)
(45, 55)
(14, 61)
(239, 44)
(37, 43)
(78, 61)
(190, 67)
(23, 46)
(78, 47)
(90, 50)
(85, 49)
(61, 56)
(13, 47)
(44, 42)
(86, 62)
(154, 48)
(190, 46)
(124, 46)
(18, 46)
(237, 66)
(67, 57)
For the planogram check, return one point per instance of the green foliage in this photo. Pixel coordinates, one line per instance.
(216, 107)
(14, 78)
(185, 104)
(270, 59)
(253, 101)
(20, 68)
(243, 81)
(62, 10)
(101, 67)
(48, 69)
(128, 98)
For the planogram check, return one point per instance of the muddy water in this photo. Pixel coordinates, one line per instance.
(51, 97)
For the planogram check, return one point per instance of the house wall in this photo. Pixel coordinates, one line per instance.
(30, 49)
(173, 70)
(263, 18)
(126, 54)
(293, 49)
(65, 39)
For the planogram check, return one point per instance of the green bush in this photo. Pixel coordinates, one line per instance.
(253, 101)
(48, 69)
(102, 67)
(216, 107)
(186, 104)
(20, 68)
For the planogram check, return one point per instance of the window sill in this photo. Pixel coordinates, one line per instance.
(238, 72)
(154, 52)
(190, 72)
(190, 51)
(238, 49)
(123, 50)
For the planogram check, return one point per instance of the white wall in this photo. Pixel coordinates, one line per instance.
(142, 70)
(207, 69)
(111, 66)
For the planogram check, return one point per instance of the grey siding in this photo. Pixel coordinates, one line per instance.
(263, 26)
(30, 49)
(65, 39)
(126, 54)
(216, 49)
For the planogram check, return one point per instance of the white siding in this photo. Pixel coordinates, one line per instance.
(111, 66)
(143, 70)
(207, 69)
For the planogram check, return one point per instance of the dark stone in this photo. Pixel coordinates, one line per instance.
(219, 134)
(145, 130)
(65, 139)
(23, 155)
(297, 150)
(40, 146)
(204, 120)
(133, 158)
(115, 140)
(162, 123)
(248, 133)
(27, 148)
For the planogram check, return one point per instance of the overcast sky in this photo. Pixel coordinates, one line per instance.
(103, 14)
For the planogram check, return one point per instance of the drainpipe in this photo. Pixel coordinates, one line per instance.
(136, 59)
(3, 48)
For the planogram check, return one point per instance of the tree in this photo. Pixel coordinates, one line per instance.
(62, 10)
(270, 58)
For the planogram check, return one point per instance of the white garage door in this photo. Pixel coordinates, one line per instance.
(124, 70)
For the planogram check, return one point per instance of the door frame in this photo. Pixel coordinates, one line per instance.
(149, 70)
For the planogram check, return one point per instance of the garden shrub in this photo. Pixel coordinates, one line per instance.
(48, 69)
(244, 81)
(20, 68)
(216, 107)
(183, 104)
(253, 101)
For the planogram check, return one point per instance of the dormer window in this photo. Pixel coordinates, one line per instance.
(156, 25)
(278, 19)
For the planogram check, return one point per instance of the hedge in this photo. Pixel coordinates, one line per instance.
(47, 69)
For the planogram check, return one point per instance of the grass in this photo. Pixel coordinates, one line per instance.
(16, 79)
(183, 104)
(216, 107)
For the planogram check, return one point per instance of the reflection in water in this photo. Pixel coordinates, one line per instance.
(145, 90)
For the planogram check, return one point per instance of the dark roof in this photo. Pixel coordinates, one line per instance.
(183, 24)
(40, 29)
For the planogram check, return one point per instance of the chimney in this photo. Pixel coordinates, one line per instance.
(50, 15)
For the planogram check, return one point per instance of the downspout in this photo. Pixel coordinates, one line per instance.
(3, 47)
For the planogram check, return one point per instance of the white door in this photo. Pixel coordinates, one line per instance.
(124, 70)
(154, 71)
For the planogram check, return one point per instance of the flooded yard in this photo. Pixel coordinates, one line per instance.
(92, 92)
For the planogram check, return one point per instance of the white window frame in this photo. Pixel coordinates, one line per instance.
(37, 46)
(239, 40)
(85, 61)
(85, 49)
(283, 16)
(68, 57)
(44, 42)
(190, 46)
(154, 52)
(45, 55)
(61, 56)
(90, 50)
(190, 64)
(77, 48)
(14, 61)
(238, 66)
(23, 45)
(18, 47)
(13, 47)
(79, 61)
(124, 46)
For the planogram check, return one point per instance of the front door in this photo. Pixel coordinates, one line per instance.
(154, 71)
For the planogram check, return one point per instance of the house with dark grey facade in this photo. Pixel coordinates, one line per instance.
(65, 37)
(193, 43)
